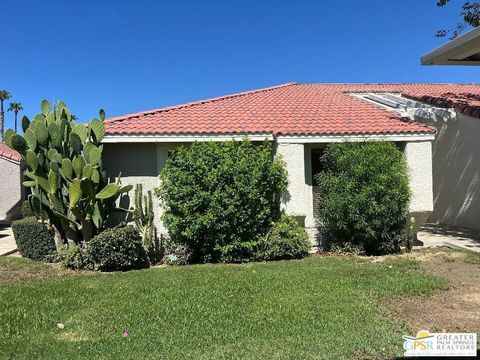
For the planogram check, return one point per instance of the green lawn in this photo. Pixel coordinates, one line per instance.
(317, 308)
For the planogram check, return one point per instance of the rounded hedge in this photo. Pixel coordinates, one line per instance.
(33, 239)
(220, 195)
(364, 197)
(287, 240)
(117, 249)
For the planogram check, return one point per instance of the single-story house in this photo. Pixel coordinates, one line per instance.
(424, 120)
(11, 189)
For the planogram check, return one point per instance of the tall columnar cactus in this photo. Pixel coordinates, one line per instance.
(410, 235)
(144, 220)
(69, 187)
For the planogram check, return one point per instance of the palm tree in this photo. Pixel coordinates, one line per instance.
(4, 95)
(15, 107)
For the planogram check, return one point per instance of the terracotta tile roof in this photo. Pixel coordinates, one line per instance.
(289, 109)
(464, 102)
(7, 153)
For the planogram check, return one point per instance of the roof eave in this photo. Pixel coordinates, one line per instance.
(12, 160)
(456, 52)
(293, 138)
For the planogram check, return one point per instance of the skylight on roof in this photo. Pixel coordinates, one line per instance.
(408, 108)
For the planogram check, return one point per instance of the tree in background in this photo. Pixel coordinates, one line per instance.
(15, 107)
(470, 15)
(4, 95)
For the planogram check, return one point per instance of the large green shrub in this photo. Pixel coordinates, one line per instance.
(287, 240)
(219, 194)
(69, 187)
(117, 249)
(364, 197)
(33, 239)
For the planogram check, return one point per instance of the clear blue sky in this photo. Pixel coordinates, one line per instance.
(129, 56)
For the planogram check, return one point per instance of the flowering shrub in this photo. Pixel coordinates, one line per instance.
(175, 254)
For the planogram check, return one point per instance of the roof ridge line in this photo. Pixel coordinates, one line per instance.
(389, 83)
(198, 102)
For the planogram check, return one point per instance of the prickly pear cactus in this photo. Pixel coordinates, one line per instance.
(69, 187)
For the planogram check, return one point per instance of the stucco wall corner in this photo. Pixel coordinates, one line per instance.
(418, 156)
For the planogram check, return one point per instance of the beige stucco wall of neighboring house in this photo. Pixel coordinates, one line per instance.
(10, 189)
(456, 172)
(138, 163)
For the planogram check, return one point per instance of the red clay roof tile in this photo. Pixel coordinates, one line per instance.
(8, 153)
(293, 109)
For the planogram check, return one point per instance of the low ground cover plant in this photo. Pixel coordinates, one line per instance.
(175, 254)
(365, 196)
(33, 239)
(74, 257)
(287, 240)
(219, 197)
(117, 249)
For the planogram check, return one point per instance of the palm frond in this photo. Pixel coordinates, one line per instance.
(15, 106)
(4, 94)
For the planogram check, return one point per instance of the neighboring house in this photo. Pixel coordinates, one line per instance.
(456, 151)
(11, 189)
(302, 118)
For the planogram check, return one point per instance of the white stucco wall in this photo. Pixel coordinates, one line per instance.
(10, 189)
(295, 199)
(418, 156)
